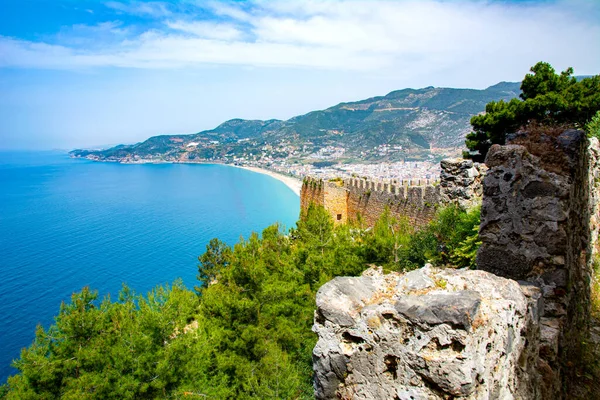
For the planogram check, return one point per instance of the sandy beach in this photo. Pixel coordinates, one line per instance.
(293, 183)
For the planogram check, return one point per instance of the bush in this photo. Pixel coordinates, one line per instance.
(593, 127)
(450, 239)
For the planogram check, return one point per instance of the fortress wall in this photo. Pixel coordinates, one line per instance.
(416, 199)
(336, 202)
(332, 196)
(369, 199)
(312, 192)
(539, 223)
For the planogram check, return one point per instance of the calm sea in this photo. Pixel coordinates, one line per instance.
(66, 224)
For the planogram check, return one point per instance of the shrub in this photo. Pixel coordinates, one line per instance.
(593, 127)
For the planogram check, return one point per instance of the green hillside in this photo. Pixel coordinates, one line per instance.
(409, 119)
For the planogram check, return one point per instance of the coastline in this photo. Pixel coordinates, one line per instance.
(293, 183)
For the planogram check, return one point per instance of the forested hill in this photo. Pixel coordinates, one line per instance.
(408, 119)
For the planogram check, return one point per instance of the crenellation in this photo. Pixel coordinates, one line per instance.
(416, 199)
(415, 196)
(431, 195)
(401, 193)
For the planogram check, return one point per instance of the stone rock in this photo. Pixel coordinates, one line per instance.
(524, 213)
(460, 181)
(539, 222)
(456, 309)
(345, 298)
(427, 334)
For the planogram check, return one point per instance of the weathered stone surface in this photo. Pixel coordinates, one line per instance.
(345, 297)
(539, 222)
(427, 334)
(456, 309)
(524, 213)
(460, 181)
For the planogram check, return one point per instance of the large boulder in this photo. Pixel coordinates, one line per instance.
(426, 334)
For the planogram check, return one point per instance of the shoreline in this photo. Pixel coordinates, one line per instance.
(294, 184)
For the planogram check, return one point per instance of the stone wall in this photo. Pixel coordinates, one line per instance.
(416, 199)
(539, 223)
(594, 184)
(409, 199)
(312, 192)
(461, 181)
(512, 331)
(331, 195)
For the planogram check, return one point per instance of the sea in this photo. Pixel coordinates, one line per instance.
(69, 223)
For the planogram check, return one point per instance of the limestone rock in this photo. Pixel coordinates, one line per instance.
(426, 334)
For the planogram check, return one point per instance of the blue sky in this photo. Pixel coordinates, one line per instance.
(82, 73)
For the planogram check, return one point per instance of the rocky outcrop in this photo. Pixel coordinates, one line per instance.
(427, 334)
(461, 181)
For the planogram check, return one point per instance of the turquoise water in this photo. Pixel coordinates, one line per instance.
(66, 224)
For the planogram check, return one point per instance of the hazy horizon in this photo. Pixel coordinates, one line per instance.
(109, 145)
(80, 74)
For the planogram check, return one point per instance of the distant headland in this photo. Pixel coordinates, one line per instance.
(406, 131)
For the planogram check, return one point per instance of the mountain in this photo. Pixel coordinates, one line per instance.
(406, 122)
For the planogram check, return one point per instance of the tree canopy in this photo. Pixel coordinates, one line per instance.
(547, 98)
(244, 333)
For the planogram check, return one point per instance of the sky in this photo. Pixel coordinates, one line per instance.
(89, 73)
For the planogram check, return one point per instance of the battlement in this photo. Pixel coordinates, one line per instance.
(388, 184)
(393, 186)
(312, 181)
(417, 199)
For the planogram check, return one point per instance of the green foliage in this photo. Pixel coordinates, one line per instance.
(465, 253)
(450, 239)
(388, 243)
(547, 98)
(593, 127)
(596, 289)
(457, 234)
(217, 256)
(107, 350)
(245, 333)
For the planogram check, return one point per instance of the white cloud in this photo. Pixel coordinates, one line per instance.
(171, 51)
(207, 29)
(224, 9)
(380, 36)
(153, 8)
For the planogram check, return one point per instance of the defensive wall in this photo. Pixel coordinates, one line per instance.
(515, 328)
(417, 199)
(539, 223)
